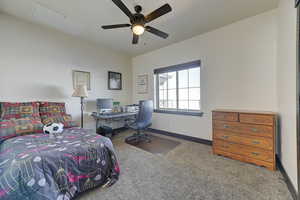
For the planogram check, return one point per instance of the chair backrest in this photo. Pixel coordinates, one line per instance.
(144, 118)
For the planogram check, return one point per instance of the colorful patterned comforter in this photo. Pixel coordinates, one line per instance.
(39, 168)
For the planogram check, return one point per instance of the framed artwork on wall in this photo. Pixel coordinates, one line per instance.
(81, 78)
(114, 81)
(142, 84)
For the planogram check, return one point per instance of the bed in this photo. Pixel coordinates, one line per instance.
(41, 168)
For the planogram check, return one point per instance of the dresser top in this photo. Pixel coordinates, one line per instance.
(246, 111)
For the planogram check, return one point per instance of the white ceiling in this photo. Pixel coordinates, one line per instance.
(84, 18)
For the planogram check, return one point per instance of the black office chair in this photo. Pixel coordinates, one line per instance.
(142, 122)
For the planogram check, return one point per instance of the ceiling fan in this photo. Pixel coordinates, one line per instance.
(138, 21)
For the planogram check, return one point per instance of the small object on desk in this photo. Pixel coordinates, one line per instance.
(132, 108)
(116, 107)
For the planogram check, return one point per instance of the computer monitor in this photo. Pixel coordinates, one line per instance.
(104, 105)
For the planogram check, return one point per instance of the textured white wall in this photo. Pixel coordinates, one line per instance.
(286, 75)
(36, 63)
(239, 71)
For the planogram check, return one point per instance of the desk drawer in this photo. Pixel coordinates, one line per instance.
(254, 141)
(225, 116)
(250, 152)
(257, 119)
(246, 129)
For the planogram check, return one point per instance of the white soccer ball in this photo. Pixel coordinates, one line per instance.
(53, 129)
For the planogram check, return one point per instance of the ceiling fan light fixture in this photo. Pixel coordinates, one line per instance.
(138, 20)
(138, 29)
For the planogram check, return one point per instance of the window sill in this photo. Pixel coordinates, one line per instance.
(196, 114)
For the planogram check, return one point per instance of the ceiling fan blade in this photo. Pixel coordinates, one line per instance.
(157, 32)
(159, 12)
(116, 26)
(135, 39)
(123, 7)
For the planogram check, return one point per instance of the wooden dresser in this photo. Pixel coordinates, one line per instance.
(245, 136)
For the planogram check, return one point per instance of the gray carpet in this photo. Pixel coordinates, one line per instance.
(188, 172)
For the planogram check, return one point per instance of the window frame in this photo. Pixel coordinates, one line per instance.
(176, 68)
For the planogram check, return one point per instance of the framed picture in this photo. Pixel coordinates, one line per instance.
(297, 3)
(114, 81)
(142, 84)
(81, 78)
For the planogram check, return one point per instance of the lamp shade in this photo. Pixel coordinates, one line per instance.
(80, 91)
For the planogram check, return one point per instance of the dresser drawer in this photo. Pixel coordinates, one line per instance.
(268, 165)
(245, 129)
(254, 141)
(225, 116)
(250, 152)
(257, 119)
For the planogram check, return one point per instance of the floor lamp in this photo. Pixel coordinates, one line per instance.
(81, 91)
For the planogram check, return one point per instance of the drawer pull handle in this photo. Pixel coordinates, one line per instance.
(255, 142)
(255, 153)
(226, 126)
(254, 129)
(225, 136)
(224, 146)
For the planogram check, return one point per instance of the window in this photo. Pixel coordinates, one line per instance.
(178, 89)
